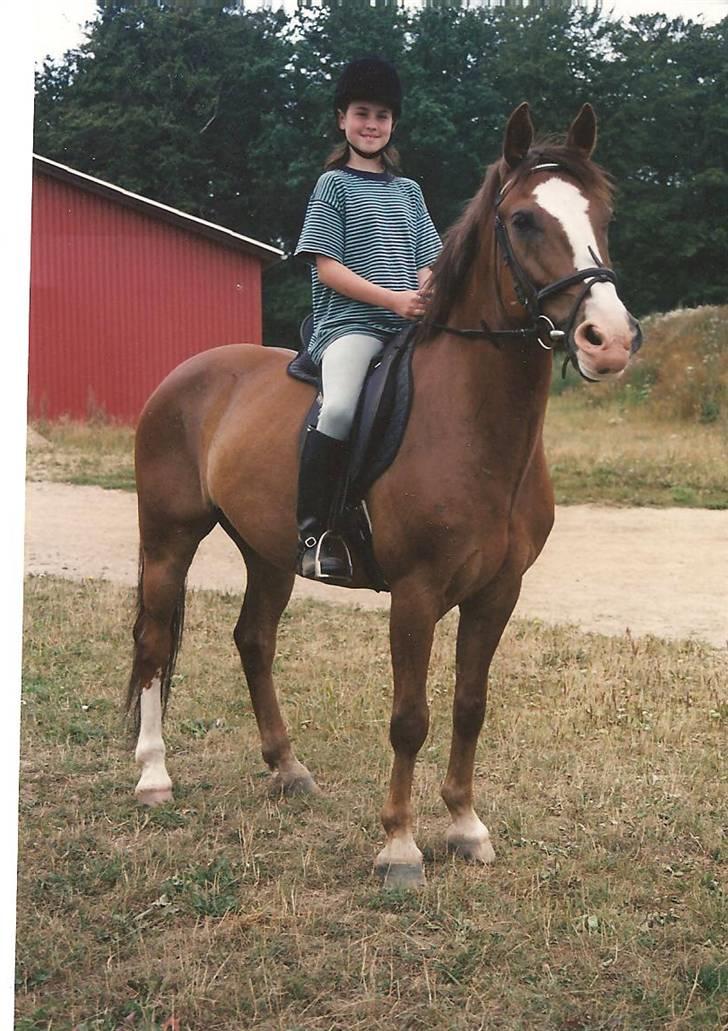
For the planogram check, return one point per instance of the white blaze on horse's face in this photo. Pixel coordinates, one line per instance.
(604, 338)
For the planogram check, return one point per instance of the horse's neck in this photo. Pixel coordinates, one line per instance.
(481, 386)
(490, 398)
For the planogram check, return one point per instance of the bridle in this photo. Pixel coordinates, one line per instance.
(532, 298)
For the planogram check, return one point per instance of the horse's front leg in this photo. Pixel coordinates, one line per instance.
(483, 618)
(412, 624)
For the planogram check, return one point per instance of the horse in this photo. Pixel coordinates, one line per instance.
(459, 516)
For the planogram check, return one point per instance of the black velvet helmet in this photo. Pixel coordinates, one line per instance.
(369, 78)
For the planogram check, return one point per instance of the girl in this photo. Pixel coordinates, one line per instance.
(370, 241)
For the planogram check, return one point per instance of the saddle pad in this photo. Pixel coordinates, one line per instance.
(382, 412)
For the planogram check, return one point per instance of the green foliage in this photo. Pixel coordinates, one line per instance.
(226, 113)
(209, 890)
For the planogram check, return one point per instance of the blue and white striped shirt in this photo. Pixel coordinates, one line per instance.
(377, 225)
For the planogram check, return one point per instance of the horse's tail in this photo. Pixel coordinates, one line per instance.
(133, 692)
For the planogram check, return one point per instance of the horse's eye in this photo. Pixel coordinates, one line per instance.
(523, 221)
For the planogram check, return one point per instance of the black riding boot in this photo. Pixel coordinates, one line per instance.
(323, 554)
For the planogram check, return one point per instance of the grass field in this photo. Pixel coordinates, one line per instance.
(618, 454)
(659, 436)
(602, 775)
(611, 454)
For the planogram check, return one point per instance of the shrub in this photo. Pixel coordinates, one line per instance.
(687, 352)
(680, 373)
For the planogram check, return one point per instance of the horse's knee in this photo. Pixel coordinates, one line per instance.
(408, 728)
(468, 714)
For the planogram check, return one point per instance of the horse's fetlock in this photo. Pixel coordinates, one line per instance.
(274, 752)
(455, 796)
(148, 753)
(395, 819)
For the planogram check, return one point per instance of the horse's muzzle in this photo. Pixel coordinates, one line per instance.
(603, 351)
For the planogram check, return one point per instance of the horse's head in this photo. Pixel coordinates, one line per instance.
(552, 211)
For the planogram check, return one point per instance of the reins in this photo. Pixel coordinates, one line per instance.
(532, 299)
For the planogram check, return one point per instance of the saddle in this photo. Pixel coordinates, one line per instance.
(379, 424)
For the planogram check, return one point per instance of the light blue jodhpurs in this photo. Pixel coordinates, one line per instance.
(343, 371)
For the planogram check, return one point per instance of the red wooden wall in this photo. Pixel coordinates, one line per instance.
(118, 298)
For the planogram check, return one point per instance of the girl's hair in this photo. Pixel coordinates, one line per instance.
(340, 155)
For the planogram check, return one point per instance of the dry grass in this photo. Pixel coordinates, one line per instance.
(94, 452)
(620, 454)
(602, 775)
(684, 369)
(657, 437)
(616, 454)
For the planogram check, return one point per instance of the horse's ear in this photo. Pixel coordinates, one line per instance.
(519, 136)
(583, 131)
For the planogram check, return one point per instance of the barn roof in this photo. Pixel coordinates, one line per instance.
(264, 252)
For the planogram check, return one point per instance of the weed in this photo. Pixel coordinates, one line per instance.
(713, 978)
(210, 890)
(600, 773)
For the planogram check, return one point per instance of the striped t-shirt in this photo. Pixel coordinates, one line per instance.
(377, 225)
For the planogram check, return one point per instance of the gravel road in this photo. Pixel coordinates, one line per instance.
(652, 571)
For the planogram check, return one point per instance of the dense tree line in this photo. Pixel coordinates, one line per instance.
(226, 113)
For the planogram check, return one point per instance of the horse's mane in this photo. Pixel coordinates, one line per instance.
(462, 240)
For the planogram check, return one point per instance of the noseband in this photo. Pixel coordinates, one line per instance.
(531, 299)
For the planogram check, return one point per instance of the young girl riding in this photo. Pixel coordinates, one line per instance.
(370, 241)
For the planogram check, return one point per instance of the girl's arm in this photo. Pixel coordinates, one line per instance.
(406, 303)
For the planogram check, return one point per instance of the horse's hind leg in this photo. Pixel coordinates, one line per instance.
(266, 596)
(165, 557)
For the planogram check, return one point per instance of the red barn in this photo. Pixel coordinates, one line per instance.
(122, 289)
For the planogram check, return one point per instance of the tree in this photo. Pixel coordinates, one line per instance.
(227, 113)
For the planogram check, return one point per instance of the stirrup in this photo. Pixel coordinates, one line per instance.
(327, 559)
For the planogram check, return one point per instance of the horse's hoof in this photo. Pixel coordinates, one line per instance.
(475, 850)
(401, 875)
(153, 796)
(293, 786)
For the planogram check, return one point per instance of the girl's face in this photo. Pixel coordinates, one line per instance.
(367, 125)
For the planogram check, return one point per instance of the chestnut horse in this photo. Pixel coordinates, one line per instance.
(459, 516)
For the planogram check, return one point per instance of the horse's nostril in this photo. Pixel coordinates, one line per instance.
(593, 335)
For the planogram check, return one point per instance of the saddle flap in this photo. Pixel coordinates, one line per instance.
(375, 407)
(381, 415)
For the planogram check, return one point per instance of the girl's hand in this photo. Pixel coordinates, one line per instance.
(409, 304)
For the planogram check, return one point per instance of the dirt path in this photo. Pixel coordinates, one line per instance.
(654, 571)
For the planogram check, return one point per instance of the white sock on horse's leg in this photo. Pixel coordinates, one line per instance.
(155, 784)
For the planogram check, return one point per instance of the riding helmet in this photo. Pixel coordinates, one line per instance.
(369, 78)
